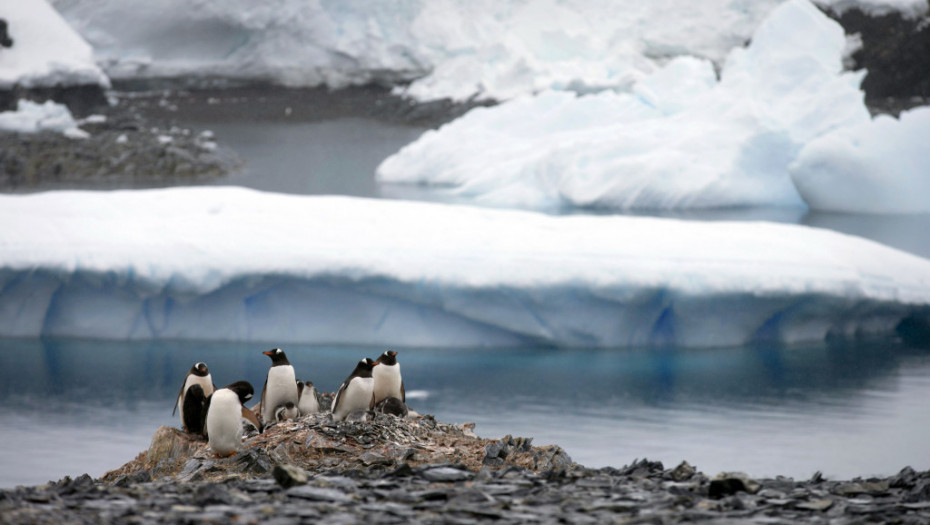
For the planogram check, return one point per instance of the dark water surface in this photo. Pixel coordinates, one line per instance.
(75, 406)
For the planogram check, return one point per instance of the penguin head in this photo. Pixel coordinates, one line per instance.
(388, 358)
(200, 369)
(364, 367)
(243, 389)
(277, 357)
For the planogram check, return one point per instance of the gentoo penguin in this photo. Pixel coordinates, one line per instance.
(280, 385)
(388, 382)
(197, 375)
(307, 402)
(356, 392)
(193, 409)
(225, 411)
(286, 411)
(392, 406)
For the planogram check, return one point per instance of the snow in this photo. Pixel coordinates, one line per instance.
(679, 140)
(31, 117)
(879, 166)
(449, 48)
(46, 52)
(237, 264)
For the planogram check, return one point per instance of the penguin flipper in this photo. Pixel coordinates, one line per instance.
(403, 393)
(371, 404)
(261, 404)
(248, 414)
(342, 388)
(177, 400)
(206, 409)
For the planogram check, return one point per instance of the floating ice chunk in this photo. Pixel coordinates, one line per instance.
(236, 264)
(681, 141)
(881, 166)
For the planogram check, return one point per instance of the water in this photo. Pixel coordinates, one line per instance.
(75, 406)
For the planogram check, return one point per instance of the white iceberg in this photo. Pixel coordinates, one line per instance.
(31, 117)
(237, 264)
(882, 166)
(46, 52)
(680, 140)
(459, 49)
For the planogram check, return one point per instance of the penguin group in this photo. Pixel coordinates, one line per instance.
(218, 413)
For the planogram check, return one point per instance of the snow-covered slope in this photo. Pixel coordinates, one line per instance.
(46, 51)
(231, 263)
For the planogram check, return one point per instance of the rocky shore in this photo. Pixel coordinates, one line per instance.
(390, 470)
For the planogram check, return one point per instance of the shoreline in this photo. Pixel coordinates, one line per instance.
(391, 470)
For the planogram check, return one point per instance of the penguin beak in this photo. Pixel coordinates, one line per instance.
(268, 353)
(392, 354)
(375, 363)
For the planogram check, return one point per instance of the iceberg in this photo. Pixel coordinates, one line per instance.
(679, 140)
(456, 49)
(881, 166)
(236, 264)
(46, 52)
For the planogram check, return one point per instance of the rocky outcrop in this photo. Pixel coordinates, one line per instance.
(318, 444)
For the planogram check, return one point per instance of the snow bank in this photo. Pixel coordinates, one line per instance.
(46, 51)
(451, 48)
(680, 140)
(236, 264)
(882, 166)
(30, 117)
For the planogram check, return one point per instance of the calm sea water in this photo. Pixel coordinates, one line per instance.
(75, 406)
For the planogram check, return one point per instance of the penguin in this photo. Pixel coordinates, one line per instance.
(193, 409)
(197, 375)
(356, 392)
(225, 410)
(307, 402)
(280, 385)
(286, 411)
(388, 382)
(391, 406)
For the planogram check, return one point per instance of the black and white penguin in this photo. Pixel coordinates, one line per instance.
(193, 410)
(225, 410)
(197, 375)
(307, 402)
(280, 385)
(356, 392)
(391, 406)
(286, 411)
(388, 382)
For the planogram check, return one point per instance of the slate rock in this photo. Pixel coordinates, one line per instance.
(288, 475)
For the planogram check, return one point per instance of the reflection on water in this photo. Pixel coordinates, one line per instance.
(74, 406)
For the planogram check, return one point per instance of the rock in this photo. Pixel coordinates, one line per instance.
(447, 474)
(727, 483)
(288, 475)
(682, 472)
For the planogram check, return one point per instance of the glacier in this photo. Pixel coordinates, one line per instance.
(680, 139)
(46, 51)
(227, 263)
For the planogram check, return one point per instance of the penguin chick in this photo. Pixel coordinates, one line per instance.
(388, 382)
(280, 385)
(307, 402)
(356, 392)
(286, 411)
(197, 375)
(391, 406)
(225, 411)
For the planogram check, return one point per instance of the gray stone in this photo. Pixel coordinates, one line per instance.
(318, 494)
(288, 475)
